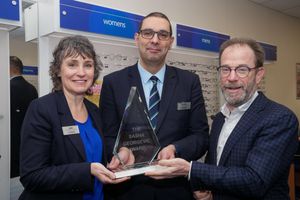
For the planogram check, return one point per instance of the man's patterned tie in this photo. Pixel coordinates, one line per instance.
(154, 102)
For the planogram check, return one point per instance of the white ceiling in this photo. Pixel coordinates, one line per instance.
(287, 7)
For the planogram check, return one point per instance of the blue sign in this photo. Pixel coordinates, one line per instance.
(29, 70)
(270, 51)
(199, 39)
(96, 19)
(9, 9)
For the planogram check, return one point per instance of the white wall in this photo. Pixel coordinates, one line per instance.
(27, 52)
(4, 116)
(235, 18)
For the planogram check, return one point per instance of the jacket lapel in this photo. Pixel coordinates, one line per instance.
(214, 136)
(247, 121)
(167, 94)
(66, 119)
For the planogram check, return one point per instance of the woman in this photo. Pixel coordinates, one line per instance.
(62, 155)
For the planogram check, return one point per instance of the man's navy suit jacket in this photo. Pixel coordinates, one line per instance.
(53, 165)
(21, 94)
(187, 129)
(256, 157)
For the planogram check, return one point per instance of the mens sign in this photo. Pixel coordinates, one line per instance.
(196, 38)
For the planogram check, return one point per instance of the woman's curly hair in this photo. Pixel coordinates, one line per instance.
(72, 46)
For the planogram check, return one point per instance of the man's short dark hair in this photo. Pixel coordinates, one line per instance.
(15, 62)
(159, 15)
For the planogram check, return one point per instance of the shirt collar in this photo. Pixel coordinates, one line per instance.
(15, 76)
(241, 109)
(145, 75)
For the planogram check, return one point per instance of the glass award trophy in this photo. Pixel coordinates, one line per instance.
(136, 133)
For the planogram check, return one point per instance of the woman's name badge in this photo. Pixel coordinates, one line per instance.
(70, 130)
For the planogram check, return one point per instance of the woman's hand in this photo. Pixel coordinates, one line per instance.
(104, 175)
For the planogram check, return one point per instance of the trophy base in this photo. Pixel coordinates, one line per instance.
(137, 171)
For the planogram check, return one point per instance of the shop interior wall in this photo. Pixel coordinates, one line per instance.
(26, 51)
(232, 17)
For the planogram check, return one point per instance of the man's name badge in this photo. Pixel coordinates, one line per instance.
(70, 130)
(183, 105)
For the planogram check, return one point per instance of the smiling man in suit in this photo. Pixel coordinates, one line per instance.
(180, 122)
(252, 140)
